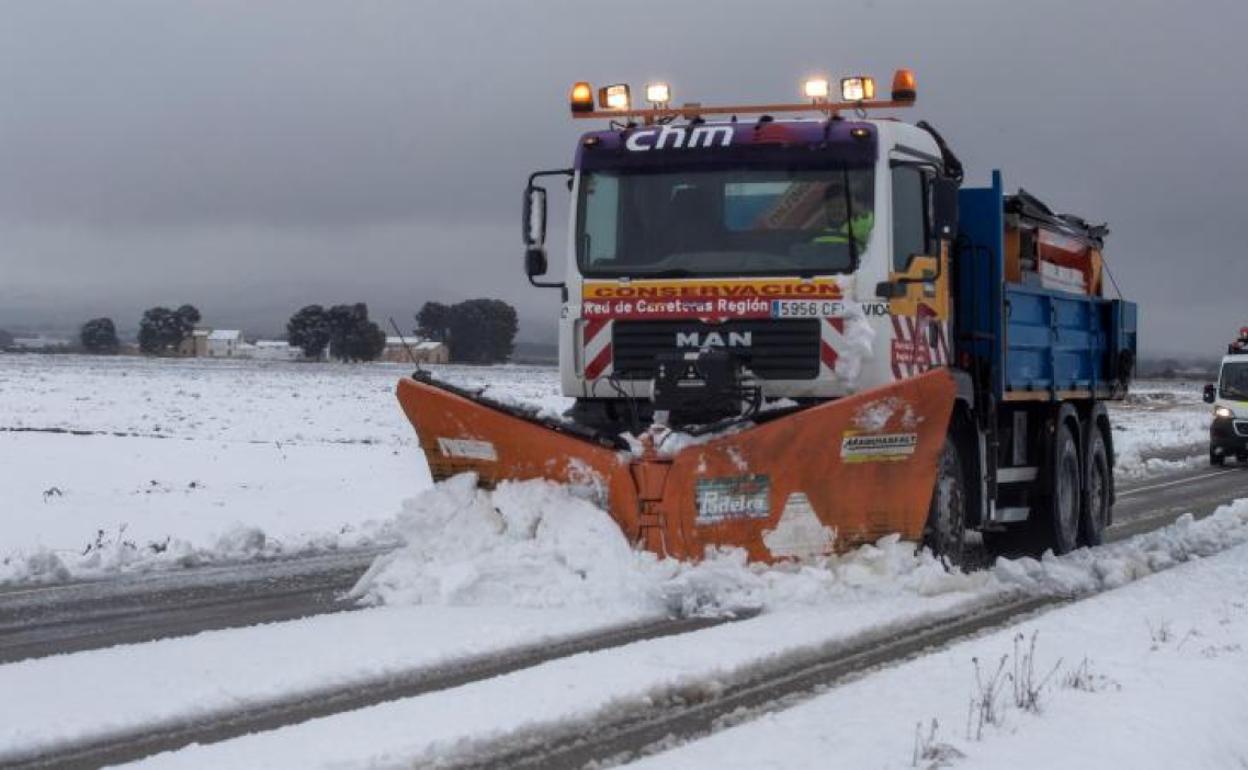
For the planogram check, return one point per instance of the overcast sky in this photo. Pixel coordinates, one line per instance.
(251, 157)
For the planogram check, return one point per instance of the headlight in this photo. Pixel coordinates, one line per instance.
(1222, 411)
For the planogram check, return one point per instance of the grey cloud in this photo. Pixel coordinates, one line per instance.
(243, 151)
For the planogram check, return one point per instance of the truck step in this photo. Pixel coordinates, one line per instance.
(1017, 474)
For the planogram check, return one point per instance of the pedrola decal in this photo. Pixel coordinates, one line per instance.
(678, 137)
(714, 340)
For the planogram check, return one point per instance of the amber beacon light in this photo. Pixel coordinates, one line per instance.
(904, 89)
(582, 97)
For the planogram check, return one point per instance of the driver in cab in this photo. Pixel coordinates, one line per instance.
(837, 227)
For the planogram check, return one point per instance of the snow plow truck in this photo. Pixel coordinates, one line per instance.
(791, 328)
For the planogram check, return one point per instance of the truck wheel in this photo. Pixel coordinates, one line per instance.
(1096, 487)
(1064, 497)
(1215, 459)
(945, 532)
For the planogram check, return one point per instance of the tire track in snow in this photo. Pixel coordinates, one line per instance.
(127, 746)
(49, 620)
(679, 720)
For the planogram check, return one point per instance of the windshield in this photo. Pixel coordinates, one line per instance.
(1234, 384)
(724, 221)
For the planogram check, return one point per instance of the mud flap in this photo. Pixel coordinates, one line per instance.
(813, 482)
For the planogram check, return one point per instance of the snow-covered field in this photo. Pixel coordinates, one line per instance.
(1161, 427)
(131, 463)
(126, 463)
(190, 461)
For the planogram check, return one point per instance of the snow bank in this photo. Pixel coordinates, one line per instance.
(1091, 570)
(536, 544)
(529, 544)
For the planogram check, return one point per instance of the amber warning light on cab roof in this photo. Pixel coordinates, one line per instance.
(857, 94)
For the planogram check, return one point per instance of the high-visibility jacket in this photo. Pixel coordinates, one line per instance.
(860, 227)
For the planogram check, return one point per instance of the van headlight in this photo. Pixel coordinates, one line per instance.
(1222, 411)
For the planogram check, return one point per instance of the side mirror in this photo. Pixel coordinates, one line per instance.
(534, 230)
(535, 217)
(1211, 393)
(944, 208)
(535, 261)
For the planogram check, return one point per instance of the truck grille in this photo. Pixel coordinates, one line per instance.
(778, 350)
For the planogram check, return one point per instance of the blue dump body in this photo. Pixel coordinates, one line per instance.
(1032, 343)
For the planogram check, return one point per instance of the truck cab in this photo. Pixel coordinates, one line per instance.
(1228, 433)
(812, 254)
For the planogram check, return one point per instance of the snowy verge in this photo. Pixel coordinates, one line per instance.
(1152, 676)
(845, 602)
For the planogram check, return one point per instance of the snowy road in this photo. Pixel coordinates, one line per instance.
(51, 620)
(202, 599)
(36, 622)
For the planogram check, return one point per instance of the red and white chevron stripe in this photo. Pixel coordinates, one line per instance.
(831, 344)
(597, 348)
(916, 348)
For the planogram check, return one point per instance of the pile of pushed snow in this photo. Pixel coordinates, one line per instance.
(527, 544)
(1090, 570)
(536, 544)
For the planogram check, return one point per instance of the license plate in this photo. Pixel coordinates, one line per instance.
(807, 308)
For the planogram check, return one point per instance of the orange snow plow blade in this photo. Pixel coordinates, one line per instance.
(807, 483)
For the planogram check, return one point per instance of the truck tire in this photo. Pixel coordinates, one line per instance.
(1064, 501)
(1096, 490)
(1215, 459)
(945, 531)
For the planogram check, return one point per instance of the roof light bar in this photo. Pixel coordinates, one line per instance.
(858, 93)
